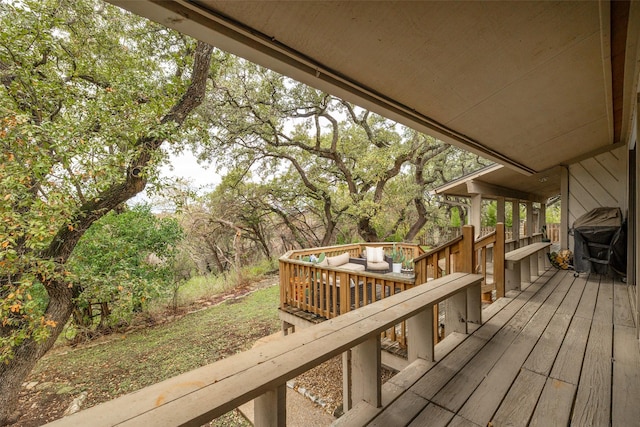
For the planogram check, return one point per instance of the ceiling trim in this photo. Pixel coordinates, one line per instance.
(192, 18)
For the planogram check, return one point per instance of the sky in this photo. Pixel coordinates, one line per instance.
(187, 167)
(183, 166)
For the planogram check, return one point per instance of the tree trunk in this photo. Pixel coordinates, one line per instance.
(366, 230)
(29, 352)
(60, 307)
(419, 222)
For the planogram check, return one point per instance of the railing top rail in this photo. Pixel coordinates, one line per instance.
(485, 240)
(440, 248)
(292, 253)
(198, 396)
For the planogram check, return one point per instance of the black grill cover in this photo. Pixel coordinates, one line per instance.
(600, 242)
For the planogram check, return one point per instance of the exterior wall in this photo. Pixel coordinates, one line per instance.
(599, 181)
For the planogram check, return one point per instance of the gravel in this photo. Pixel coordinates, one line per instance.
(323, 384)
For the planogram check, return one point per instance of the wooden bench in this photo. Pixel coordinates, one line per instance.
(198, 396)
(523, 263)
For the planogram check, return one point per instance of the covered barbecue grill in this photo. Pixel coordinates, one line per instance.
(600, 242)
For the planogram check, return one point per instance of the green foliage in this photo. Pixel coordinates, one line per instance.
(455, 217)
(126, 259)
(553, 213)
(397, 255)
(81, 83)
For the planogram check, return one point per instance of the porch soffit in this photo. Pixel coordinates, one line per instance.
(504, 182)
(526, 84)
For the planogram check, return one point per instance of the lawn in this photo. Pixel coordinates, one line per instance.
(123, 363)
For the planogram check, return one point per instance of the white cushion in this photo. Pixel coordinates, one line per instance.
(375, 254)
(338, 260)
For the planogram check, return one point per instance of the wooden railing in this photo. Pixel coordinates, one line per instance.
(260, 374)
(314, 289)
(330, 291)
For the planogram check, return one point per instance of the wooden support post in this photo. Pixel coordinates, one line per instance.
(270, 409)
(515, 222)
(512, 276)
(564, 206)
(420, 336)
(533, 265)
(542, 256)
(525, 270)
(530, 226)
(346, 381)
(344, 293)
(476, 213)
(365, 373)
(500, 210)
(284, 283)
(474, 304)
(498, 260)
(547, 261)
(456, 313)
(468, 255)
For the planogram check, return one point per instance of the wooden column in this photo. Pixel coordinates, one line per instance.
(529, 219)
(515, 222)
(498, 260)
(564, 213)
(456, 313)
(500, 211)
(420, 336)
(365, 373)
(467, 263)
(346, 381)
(476, 213)
(512, 277)
(542, 218)
(270, 409)
(635, 261)
(474, 305)
(345, 293)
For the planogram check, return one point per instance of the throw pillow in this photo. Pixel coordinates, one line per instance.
(375, 254)
(338, 259)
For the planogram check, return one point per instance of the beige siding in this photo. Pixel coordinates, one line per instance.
(597, 182)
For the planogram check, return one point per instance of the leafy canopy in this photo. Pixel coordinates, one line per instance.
(81, 84)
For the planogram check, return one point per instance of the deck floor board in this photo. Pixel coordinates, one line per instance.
(561, 352)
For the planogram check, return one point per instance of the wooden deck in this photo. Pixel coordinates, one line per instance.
(561, 352)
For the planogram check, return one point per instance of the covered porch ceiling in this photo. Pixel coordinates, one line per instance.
(531, 85)
(499, 181)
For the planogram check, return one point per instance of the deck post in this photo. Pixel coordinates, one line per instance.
(533, 265)
(456, 313)
(512, 276)
(498, 260)
(284, 282)
(346, 381)
(525, 270)
(515, 223)
(345, 303)
(467, 263)
(365, 375)
(270, 409)
(420, 336)
(474, 305)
